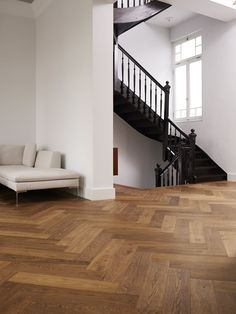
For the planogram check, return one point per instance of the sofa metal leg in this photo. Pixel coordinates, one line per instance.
(77, 191)
(17, 199)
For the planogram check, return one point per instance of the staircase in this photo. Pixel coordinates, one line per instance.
(143, 103)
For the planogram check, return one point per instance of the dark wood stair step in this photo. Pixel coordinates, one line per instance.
(203, 162)
(201, 155)
(133, 116)
(124, 109)
(143, 123)
(205, 170)
(149, 130)
(211, 178)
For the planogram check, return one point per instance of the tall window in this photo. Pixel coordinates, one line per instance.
(188, 78)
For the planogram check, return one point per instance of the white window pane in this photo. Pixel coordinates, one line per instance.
(188, 49)
(177, 115)
(177, 49)
(198, 50)
(199, 41)
(193, 113)
(177, 57)
(181, 114)
(199, 112)
(195, 84)
(181, 88)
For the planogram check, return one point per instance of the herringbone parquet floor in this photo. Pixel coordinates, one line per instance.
(171, 250)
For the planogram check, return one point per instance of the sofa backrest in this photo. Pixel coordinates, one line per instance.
(11, 154)
(48, 159)
(29, 155)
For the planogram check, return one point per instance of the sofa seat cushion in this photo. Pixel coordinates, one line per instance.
(28, 174)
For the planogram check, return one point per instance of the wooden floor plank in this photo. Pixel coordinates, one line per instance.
(203, 298)
(167, 251)
(64, 282)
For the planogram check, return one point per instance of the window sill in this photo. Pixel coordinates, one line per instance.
(199, 119)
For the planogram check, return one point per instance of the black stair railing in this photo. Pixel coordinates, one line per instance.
(137, 84)
(120, 4)
(169, 176)
(181, 156)
(153, 99)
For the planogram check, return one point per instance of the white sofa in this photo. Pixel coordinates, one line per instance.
(22, 168)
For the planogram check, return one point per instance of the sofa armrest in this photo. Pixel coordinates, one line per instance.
(48, 159)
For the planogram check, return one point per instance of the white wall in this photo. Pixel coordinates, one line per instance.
(70, 110)
(17, 79)
(216, 131)
(102, 95)
(138, 156)
(150, 45)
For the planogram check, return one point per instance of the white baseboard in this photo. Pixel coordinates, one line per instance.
(231, 176)
(98, 194)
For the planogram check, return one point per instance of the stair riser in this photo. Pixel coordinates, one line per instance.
(203, 162)
(206, 171)
(211, 179)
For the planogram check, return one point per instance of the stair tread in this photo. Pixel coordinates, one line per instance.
(207, 167)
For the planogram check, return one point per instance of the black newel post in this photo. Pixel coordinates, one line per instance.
(158, 171)
(192, 143)
(166, 117)
(182, 163)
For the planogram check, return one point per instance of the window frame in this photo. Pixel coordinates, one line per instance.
(186, 62)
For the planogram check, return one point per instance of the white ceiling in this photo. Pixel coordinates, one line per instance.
(183, 10)
(171, 17)
(206, 7)
(20, 8)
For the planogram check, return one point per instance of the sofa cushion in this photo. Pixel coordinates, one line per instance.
(29, 155)
(48, 159)
(11, 154)
(27, 174)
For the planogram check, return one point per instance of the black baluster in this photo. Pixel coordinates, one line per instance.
(161, 104)
(128, 88)
(122, 3)
(140, 88)
(128, 4)
(158, 171)
(192, 155)
(170, 135)
(175, 137)
(164, 179)
(134, 83)
(172, 175)
(150, 108)
(155, 103)
(122, 74)
(168, 177)
(145, 93)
